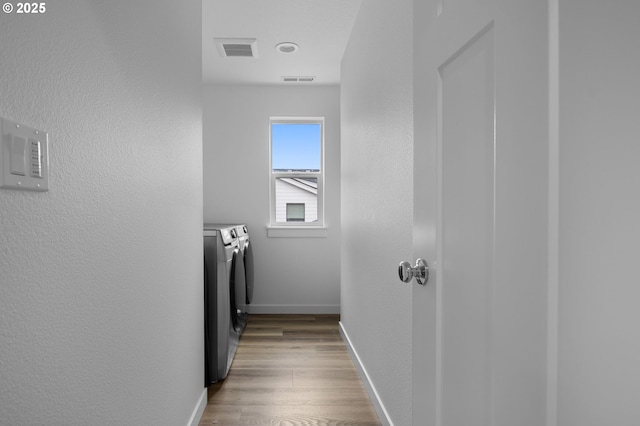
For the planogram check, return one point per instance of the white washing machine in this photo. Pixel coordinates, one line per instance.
(223, 324)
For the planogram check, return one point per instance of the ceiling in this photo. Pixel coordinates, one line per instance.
(321, 29)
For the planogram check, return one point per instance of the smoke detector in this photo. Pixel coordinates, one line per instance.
(237, 47)
(287, 47)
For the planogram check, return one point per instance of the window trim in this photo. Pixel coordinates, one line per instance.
(319, 223)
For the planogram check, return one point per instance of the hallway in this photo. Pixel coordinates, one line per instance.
(293, 370)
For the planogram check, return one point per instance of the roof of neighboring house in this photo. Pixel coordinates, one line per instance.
(309, 185)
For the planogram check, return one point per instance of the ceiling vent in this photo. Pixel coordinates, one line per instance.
(237, 47)
(298, 79)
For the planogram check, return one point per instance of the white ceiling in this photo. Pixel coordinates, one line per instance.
(320, 27)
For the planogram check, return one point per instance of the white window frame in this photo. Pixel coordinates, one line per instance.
(284, 174)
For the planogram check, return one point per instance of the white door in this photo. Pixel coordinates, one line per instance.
(480, 212)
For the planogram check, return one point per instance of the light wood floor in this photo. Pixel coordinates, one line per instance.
(290, 370)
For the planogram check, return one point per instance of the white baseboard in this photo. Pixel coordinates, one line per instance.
(294, 309)
(383, 415)
(199, 409)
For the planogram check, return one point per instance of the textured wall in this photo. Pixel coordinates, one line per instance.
(101, 277)
(292, 274)
(377, 202)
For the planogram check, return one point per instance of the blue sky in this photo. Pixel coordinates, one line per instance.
(295, 146)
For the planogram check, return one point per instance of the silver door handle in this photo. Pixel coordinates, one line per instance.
(420, 272)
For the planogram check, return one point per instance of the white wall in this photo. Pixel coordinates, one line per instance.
(377, 203)
(599, 333)
(291, 274)
(101, 277)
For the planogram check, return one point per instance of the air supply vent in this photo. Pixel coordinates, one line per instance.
(298, 79)
(237, 47)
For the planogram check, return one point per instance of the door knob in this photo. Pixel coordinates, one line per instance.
(420, 272)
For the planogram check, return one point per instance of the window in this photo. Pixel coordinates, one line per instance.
(295, 212)
(297, 167)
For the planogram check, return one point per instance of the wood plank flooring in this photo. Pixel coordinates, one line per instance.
(290, 370)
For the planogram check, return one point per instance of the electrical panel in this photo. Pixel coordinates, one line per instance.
(24, 157)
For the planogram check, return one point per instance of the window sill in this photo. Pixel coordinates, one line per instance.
(296, 232)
